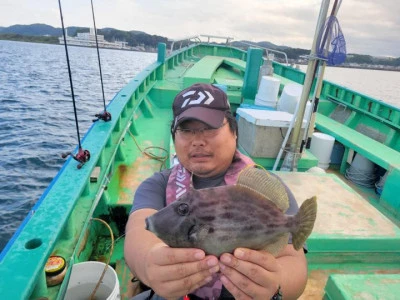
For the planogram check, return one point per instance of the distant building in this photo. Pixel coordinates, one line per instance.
(88, 39)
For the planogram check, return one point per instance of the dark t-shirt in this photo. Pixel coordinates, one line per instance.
(151, 192)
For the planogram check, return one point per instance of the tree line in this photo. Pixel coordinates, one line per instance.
(42, 33)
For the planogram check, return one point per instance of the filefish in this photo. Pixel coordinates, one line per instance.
(249, 214)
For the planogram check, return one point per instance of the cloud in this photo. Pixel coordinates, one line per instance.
(369, 26)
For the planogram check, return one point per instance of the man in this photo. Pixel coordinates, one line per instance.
(205, 138)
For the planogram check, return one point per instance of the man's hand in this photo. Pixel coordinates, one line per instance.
(173, 273)
(250, 274)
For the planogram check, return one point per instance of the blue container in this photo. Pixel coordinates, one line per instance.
(221, 87)
(254, 106)
(337, 153)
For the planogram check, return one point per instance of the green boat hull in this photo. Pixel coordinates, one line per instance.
(356, 232)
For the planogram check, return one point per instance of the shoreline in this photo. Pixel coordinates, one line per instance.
(377, 68)
(392, 69)
(154, 50)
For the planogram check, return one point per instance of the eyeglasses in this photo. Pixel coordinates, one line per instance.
(207, 132)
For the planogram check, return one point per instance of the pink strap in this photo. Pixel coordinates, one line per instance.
(179, 179)
(179, 182)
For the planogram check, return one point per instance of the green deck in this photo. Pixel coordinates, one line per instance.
(348, 287)
(351, 237)
(204, 70)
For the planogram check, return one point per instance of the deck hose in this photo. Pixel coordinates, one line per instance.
(145, 151)
(360, 178)
(380, 184)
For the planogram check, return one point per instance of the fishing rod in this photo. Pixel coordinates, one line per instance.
(105, 115)
(83, 155)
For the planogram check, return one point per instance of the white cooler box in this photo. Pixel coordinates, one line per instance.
(261, 132)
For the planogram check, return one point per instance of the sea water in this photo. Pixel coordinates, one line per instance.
(37, 120)
(378, 84)
(36, 114)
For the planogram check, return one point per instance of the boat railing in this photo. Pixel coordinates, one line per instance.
(185, 41)
(197, 39)
(268, 50)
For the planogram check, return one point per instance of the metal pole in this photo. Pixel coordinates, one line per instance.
(311, 68)
(318, 86)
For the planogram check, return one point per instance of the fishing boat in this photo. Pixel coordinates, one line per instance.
(354, 249)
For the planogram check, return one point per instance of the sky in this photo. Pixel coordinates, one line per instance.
(370, 27)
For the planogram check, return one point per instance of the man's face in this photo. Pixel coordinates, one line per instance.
(205, 153)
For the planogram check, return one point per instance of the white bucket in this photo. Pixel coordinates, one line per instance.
(268, 90)
(321, 146)
(84, 278)
(363, 164)
(290, 96)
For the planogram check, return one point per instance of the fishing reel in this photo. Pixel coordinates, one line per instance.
(82, 156)
(105, 116)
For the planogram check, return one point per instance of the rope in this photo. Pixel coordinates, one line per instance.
(70, 75)
(358, 177)
(109, 258)
(334, 11)
(146, 152)
(380, 184)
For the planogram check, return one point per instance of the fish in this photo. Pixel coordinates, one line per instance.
(249, 214)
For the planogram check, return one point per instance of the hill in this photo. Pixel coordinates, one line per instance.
(43, 33)
(32, 30)
(36, 32)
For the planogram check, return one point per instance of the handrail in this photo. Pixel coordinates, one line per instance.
(228, 41)
(228, 38)
(267, 49)
(197, 38)
(188, 38)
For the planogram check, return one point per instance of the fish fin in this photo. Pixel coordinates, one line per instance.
(278, 244)
(266, 184)
(306, 219)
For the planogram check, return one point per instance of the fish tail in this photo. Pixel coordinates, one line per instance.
(306, 219)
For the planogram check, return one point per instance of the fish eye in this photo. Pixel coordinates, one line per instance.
(183, 209)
